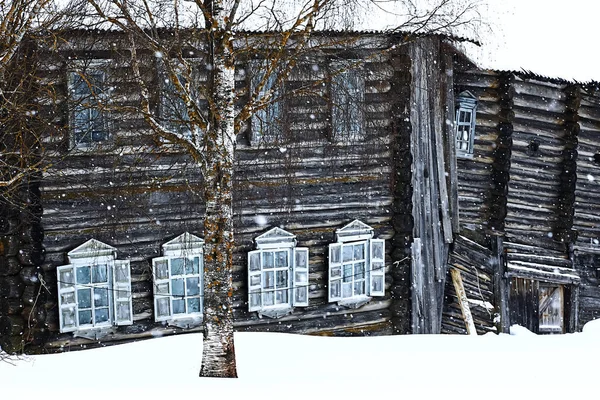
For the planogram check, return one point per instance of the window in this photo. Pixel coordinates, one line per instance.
(174, 113)
(356, 265)
(347, 101)
(87, 89)
(178, 286)
(551, 308)
(267, 122)
(465, 123)
(277, 274)
(94, 289)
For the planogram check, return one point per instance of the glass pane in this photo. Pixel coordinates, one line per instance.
(359, 251)
(163, 307)
(177, 266)
(359, 288)
(378, 267)
(269, 280)
(255, 280)
(301, 294)
(335, 254)
(281, 259)
(348, 273)
(336, 288)
(268, 299)
(282, 279)
(122, 273)
(301, 259)
(254, 261)
(179, 306)
(100, 297)
(193, 305)
(67, 298)
(377, 283)
(336, 272)
(85, 317)
(162, 288)
(467, 116)
(281, 296)
(192, 266)
(192, 286)
(268, 260)
(123, 312)
(377, 248)
(101, 315)
(99, 273)
(122, 294)
(301, 277)
(84, 297)
(254, 299)
(347, 290)
(160, 269)
(83, 275)
(347, 253)
(359, 270)
(66, 278)
(177, 287)
(68, 317)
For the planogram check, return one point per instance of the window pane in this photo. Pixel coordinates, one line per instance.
(348, 273)
(192, 288)
(336, 272)
(347, 253)
(85, 317)
(359, 270)
(177, 287)
(254, 261)
(192, 266)
(160, 270)
(359, 251)
(100, 297)
(123, 312)
(268, 299)
(359, 288)
(301, 277)
(99, 273)
(377, 248)
(268, 261)
(301, 259)
(122, 294)
(83, 275)
(378, 266)
(347, 289)
(254, 299)
(281, 296)
(66, 278)
(67, 298)
(84, 297)
(122, 273)
(377, 283)
(193, 305)
(177, 266)
(101, 315)
(336, 288)
(255, 280)
(68, 317)
(335, 254)
(282, 279)
(162, 288)
(281, 259)
(163, 307)
(301, 294)
(179, 306)
(269, 280)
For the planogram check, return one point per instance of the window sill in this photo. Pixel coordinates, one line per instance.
(185, 322)
(354, 302)
(94, 333)
(466, 156)
(275, 312)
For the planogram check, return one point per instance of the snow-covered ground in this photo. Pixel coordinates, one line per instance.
(275, 366)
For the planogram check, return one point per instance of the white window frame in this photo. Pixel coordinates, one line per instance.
(87, 101)
(119, 307)
(188, 248)
(343, 271)
(296, 271)
(464, 125)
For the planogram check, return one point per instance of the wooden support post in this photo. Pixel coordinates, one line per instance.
(462, 301)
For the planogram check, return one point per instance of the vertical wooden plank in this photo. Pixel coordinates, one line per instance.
(462, 301)
(448, 80)
(500, 284)
(417, 287)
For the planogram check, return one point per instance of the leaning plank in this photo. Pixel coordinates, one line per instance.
(462, 301)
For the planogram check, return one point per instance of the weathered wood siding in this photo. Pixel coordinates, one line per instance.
(136, 192)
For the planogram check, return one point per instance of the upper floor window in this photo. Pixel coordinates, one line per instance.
(356, 265)
(87, 92)
(267, 120)
(347, 101)
(466, 107)
(178, 286)
(94, 289)
(277, 274)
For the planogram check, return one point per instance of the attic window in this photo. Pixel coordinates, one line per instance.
(533, 148)
(178, 285)
(94, 289)
(277, 274)
(356, 265)
(466, 109)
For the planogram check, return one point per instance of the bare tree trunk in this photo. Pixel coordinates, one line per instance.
(218, 355)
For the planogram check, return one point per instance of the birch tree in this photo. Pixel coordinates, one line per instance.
(166, 28)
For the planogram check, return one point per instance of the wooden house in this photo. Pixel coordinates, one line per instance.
(407, 195)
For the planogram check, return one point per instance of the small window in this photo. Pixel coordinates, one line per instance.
(356, 265)
(178, 285)
(87, 98)
(267, 120)
(277, 274)
(347, 101)
(94, 289)
(465, 123)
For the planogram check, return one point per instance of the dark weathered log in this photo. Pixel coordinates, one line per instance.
(30, 294)
(34, 316)
(29, 275)
(9, 245)
(11, 325)
(31, 255)
(12, 344)
(10, 306)
(9, 266)
(11, 287)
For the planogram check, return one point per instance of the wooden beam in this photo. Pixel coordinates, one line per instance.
(462, 301)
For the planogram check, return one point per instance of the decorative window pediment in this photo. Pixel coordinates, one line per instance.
(94, 290)
(277, 274)
(178, 283)
(356, 265)
(466, 109)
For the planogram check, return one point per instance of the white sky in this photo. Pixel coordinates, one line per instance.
(555, 38)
